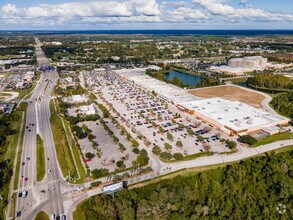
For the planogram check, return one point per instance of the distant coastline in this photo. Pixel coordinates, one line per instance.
(154, 32)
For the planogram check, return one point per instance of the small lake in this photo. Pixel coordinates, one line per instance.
(187, 79)
(243, 84)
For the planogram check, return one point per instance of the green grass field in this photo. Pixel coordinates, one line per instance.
(274, 138)
(41, 165)
(76, 155)
(62, 148)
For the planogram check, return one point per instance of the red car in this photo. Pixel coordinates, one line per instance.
(25, 179)
(23, 163)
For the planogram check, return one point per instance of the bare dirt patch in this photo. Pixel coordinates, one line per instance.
(232, 93)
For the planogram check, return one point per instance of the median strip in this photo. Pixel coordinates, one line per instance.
(41, 165)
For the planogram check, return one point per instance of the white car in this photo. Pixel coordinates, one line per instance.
(24, 194)
(53, 217)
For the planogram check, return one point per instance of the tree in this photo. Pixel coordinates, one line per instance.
(231, 145)
(168, 146)
(200, 138)
(179, 144)
(178, 156)
(120, 164)
(190, 132)
(248, 139)
(97, 173)
(115, 139)
(156, 150)
(166, 156)
(181, 126)
(135, 150)
(142, 159)
(89, 155)
(134, 143)
(169, 136)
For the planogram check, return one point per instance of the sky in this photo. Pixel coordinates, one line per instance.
(145, 14)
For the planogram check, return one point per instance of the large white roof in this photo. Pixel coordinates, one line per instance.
(233, 114)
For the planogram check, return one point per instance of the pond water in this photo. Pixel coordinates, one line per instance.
(187, 79)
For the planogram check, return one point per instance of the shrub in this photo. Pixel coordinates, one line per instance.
(96, 183)
(166, 156)
(178, 156)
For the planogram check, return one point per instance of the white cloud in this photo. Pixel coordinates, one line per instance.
(137, 11)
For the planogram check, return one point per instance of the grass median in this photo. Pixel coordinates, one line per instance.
(42, 216)
(41, 165)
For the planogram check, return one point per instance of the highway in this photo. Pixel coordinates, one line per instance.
(38, 122)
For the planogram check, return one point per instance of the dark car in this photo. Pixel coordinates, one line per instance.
(20, 194)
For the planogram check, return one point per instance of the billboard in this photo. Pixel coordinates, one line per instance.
(113, 187)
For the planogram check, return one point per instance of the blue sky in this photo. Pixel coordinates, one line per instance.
(145, 14)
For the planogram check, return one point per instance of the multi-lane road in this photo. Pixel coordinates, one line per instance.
(45, 194)
(53, 194)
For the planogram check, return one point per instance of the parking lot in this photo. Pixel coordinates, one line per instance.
(161, 123)
(110, 152)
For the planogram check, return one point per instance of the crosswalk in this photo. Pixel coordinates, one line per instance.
(25, 188)
(66, 189)
(31, 186)
(54, 181)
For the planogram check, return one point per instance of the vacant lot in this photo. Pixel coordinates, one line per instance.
(232, 93)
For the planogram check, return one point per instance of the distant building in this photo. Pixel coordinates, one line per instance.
(154, 67)
(100, 70)
(248, 62)
(56, 43)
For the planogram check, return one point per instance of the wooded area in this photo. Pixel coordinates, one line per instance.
(283, 103)
(250, 189)
(268, 80)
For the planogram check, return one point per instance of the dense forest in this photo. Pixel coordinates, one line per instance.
(5, 165)
(271, 81)
(251, 189)
(283, 103)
